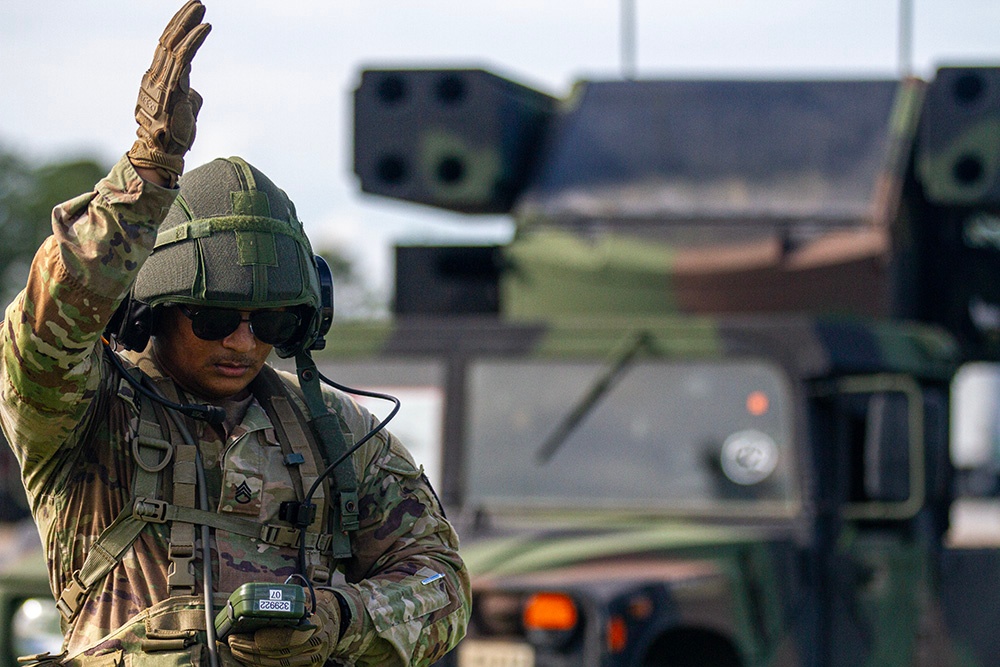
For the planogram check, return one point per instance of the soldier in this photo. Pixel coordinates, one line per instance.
(146, 513)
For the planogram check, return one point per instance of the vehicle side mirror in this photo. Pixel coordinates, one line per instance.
(884, 417)
(886, 456)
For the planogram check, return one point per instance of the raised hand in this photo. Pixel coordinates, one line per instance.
(167, 107)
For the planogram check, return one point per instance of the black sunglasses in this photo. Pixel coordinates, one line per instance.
(273, 327)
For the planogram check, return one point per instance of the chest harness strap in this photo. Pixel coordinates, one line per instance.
(180, 550)
(288, 423)
(153, 453)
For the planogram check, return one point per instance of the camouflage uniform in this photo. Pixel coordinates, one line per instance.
(71, 421)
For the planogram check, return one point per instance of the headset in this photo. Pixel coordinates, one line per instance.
(134, 321)
(132, 325)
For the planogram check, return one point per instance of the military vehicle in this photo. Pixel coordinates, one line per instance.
(698, 411)
(29, 622)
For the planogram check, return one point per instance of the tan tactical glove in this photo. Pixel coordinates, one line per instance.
(309, 643)
(167, 106)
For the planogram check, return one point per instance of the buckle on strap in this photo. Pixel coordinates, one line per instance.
(71, 599)
(150, 510)
(286, 536)
(279, 536)
(47, 659)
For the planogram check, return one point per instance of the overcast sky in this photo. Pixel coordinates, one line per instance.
(277, 76)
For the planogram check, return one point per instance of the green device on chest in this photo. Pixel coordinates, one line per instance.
(257, 605)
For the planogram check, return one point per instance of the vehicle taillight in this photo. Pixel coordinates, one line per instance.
(550, 611)
(550, 620)
(616, 634)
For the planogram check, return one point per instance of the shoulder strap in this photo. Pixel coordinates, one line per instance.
(183, 493)
(325, 435)
(152, 453)
(288, 422)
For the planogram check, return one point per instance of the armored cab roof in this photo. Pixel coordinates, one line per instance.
(808, 347)
(718, 150)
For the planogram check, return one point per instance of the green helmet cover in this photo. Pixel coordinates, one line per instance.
(232, 240)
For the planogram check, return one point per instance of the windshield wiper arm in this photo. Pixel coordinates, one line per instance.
(619, 363)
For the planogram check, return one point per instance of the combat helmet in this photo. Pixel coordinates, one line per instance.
(232, 240)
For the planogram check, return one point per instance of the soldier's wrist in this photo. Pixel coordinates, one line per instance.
(154, 165)
(345, 613)
(152, 176)
(344, 605)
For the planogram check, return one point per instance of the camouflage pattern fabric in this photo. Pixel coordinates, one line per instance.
(71, 421)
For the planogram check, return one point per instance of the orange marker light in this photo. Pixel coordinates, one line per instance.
(758, 403)
(550, 611)
(617, 634)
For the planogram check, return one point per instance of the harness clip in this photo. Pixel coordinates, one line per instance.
(300, 515)
(280, 536)
(150, 510)
(71, 599)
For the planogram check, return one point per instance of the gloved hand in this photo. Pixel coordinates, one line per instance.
(167, 106)
(309, 643)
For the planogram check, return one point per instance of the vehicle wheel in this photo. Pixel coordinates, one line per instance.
(685, 650)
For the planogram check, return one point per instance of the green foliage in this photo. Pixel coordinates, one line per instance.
(354, 297)
(27, 195)
(340, 265)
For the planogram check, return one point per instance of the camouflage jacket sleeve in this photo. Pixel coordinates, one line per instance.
(408, 590)
(50, 367)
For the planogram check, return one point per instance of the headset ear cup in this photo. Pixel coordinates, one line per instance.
(117, 319)
(131, 325)
(325, 315)
(313, 332)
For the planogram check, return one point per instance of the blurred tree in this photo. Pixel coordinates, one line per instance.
(27, 195)
(354, 297)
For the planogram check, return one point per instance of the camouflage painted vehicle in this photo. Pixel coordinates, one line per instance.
(678, 492)
(697, 411)
(29, 622)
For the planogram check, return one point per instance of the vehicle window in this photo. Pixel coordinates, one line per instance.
(680, 437)
(974, 519)
(975, 428)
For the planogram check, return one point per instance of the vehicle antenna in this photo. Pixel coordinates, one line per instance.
(628, 39)
(905, 38)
